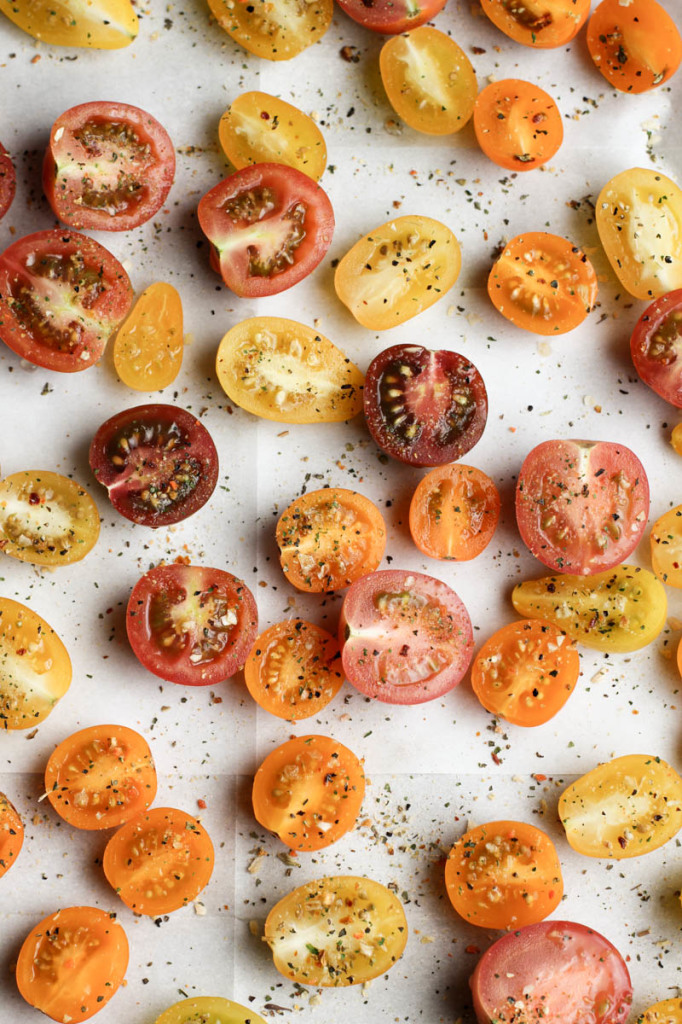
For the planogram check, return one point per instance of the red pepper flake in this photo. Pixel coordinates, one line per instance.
(540, 778)
(201, 804)
(472, 949)
(34, 60)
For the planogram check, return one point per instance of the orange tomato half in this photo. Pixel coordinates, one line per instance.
(149, 346)
(11, 834)
(517, 124)
(454, 512)
(635, 45)
(542, 24)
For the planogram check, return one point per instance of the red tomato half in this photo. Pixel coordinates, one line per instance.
(268, 225)
(158, 463)
(8, 181)
(582, 506)
(190, 624)
(554, 971)
(108, 166)
(62, 296)
(406, 637)
(656, 347)
(390, 17)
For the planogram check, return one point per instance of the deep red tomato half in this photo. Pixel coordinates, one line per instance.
(158, 462)
(108, 166)
(422, 407)
(656, 347)
(269, 225)
(8, 181)
(390, 17)
(62, 296)
(582, 506)
(190, 624)
(406, 638)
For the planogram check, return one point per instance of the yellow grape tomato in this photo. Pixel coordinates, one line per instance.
(258, 128)
(666, 547)
(35, 668)
(99, 24)
(208, 1010)
(274, 29)
(148, 347)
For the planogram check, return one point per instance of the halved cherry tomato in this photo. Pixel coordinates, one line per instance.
(679, 657)
(46, 518)
(656, 346)
(391, 17)
(556, 971)
(8, 181)
(274, 29)
(406, 637)
(635, 45)
(159, 861)
(543, 283)
(190, 624)
(623, 808)
(676, 438)
(72, 963)
(100, 24)
(454, 512)
(429, 81)
(620, 610)
(667, 1012)
(148, 347)
(397, 271)
(639, 219)
(35, 668)
(282, 370)
(336, 931)
(100, 777)
(328, 539)
(269, 226)
(11, 834)
(294, 669)
(518, 125)
(666, 547)
(309, 792)
(108, 166)
(422, 407)
(62, 296)
(208, 1010)
(158, 463)
(505, 874)
(525, 672)
(258, 128)
(539, 23)
(582, 506)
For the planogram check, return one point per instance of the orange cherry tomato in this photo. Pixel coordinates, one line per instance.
(309, 792)
(159, 861)
(667, 1012)
(11, 834)
(542, 24)
(260, 129)
(676, 438)
(525, 672)
(274, 29)
(517, 124)
(505, 874)
(35, 668)
(99, 777)
(72, 963)
(666, 547)
(543, 283)
(100, 24)
(328, 539)
(454, 512)
(148, 347)
(635, 45)
(679, 657)
(294, 669)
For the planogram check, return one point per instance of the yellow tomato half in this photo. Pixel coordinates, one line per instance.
(274, 29)
(258, 128)
(148, 347)
(46, 518)
(35, 668)
(208, 1010)
(666, 547)
(667, 1012)
(97, 24)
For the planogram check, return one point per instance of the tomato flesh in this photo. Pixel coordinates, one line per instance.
(35, 668)
(11, 834)
(454, 512)
(8, 181)
(100, 24)
(274, 29)
(518, 125)
(149, 346)
(666, 547)
(208, 1010)
(636, 46)
(543, 24)
(391, 17)
(656, 346)
(258, 128)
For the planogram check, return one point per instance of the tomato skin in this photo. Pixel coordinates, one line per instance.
(101, 25)
(72, 963)
(454, 512)
(62, 296)
(258, 128)
(269, 226)
(176, 623)
(274, 29)
(391, 17)
(667, 1012)
(8, 181)
(30, 652)
(208, 1010)
(406, 638)
(636, 46)
(11, 834)
(666, 547)
(518, 125)
(656, 346)
(546, 25)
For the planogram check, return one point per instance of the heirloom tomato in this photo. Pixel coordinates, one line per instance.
(539, 23)
(35, 668)
(336, 931)
(46, 518)
(666, 547)
(100, 24)
(397, 271)
(635, 45)
(656, 346)
(406, 638)
(62, 296)
(391, 17)
(148, 347)
(429, 81)
(454, 512)
(518, 125)
(258, 128)
(639, 219)
(282, 370)
(72, 963)
(274, 29)
(190, 624)
(11, 834)
(667, 1012)
(623, 808)
(208, 1010)
(8, 180)
(309, 792)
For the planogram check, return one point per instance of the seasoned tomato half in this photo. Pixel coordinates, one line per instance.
(336, 931)
(406, 637)
(158, 463)
(274, 29)
(518, 125)
(309, 792)
(294, 669)
(100, 777)
(11, 834)
(667, 1012)
(159, 861)
(62, 296)
(656, 346)
(46, 518)
(422, 407)
(666, 547)
(72, 963)
(328, 539)
(208, 1010)
(676, 438)
(269, 226)
(35, 668)
(258, 128)
(543, 24)
(282, 370)
(454, 512)
(582, 506)
(397, 271)
(100, 24)
(149, 346)
(553, 971)
(8, 180)
(636, 45)
(391, 17)
(190, 624)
